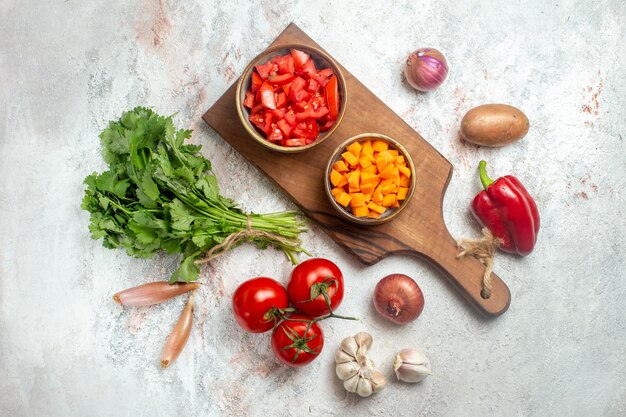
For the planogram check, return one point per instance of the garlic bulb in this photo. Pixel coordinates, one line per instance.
(354, 367)
(411, 365)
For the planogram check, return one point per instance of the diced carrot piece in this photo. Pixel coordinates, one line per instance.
(366, 178)
(335, 177)
(395, 205)
(394, 152)
(368, 197)
(376, 207)
(344, 181)
(395, 176)
(367, 148)
(371, 169)
(344, 199)
(365, 162)
(340, 166)
(350, 158)
(353, 181)
(373, 215)
(358, 200)
(388, 189)
(400, 160)
(381, 163)
(388, 200)
(387, 173)
(380, 145)
(377, 196)
(354, 148)
(404, 181)
(337, 191)
(362, 211)
(367, 187)
(388, 156)
(405, 171)
(402, 193)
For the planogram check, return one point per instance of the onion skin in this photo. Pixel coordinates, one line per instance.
(398, 298)
(179, 336)
(152, 293)
(426, 69)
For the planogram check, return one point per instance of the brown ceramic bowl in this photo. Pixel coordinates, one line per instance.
(346, 212)
(322, 60)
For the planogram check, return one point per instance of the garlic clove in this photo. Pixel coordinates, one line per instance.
(349, 346)
(364, 340)
(378, 381)
(351, 383)
(411, 365)
(364, 387)
(347, 370)
(341, 357)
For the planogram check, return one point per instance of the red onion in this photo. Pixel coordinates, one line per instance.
(426, 69)
(398, 298)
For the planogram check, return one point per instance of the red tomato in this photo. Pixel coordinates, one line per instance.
(308, 282)
(256, 82)
(299, 58)
(249, 100)
(293, 345)
(254, 303)
(267, 95)
(332, 97)
(281, 79)
(267, 69)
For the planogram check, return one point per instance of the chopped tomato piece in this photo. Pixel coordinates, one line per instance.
(296, 142)
(281, 79)
(287, 88)
(332, 97)
(285, 127)
(262, 120)
(312, 86)
(267, 95)
(285, 64)
(327, 125)
(267, 69)
(308, 67)
(299, 58)
(308, 129)
(279, 113)
(290, 117)
(281, 99)
(275, 135)
(322, 76)
(256, 82)
(249, 100)
(311, 113)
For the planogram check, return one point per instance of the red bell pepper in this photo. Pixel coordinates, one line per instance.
(506, 208)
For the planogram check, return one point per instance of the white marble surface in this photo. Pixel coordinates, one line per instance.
(68, 67)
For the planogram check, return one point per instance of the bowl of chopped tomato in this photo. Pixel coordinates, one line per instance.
(291, 98)
(370, 179)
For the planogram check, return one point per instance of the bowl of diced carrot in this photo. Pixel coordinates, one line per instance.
(369, 179)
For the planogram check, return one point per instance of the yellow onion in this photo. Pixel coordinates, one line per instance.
(426, 69)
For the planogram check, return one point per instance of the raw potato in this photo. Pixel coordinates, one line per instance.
(494, 125)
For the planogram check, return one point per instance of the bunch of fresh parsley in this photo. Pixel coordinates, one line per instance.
(160, 194)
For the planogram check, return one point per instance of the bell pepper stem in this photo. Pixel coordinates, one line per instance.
(484, 178)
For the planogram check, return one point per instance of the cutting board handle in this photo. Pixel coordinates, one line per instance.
(467, 273)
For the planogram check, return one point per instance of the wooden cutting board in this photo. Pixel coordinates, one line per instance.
(419, 230)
